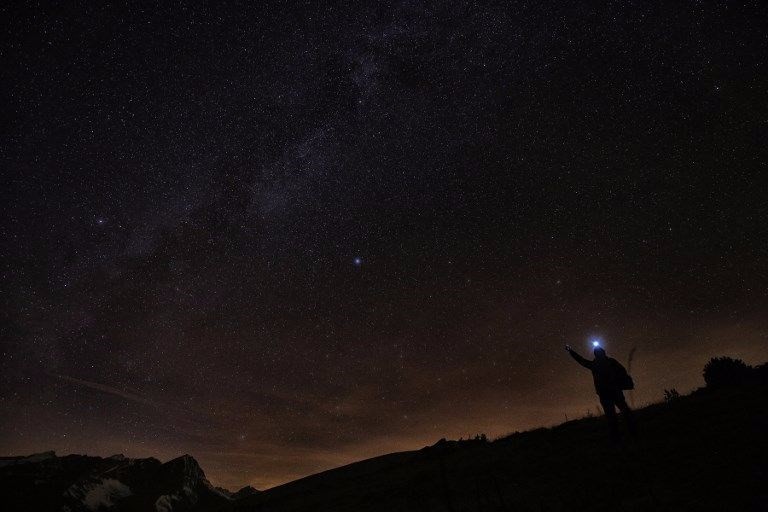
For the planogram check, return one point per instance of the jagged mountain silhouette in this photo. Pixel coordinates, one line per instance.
(705, 451)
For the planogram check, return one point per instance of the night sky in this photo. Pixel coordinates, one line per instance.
(283, 238)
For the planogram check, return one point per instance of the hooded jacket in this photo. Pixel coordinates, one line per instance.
(606, 373)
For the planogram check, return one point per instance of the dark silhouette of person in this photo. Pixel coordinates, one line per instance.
(607, 374)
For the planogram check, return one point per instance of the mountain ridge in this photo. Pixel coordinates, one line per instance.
(75, 483)
(704, 451)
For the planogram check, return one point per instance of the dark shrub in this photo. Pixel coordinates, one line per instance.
(725, 371)
(761, 373)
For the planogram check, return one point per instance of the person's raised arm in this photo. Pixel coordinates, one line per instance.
(583, 362)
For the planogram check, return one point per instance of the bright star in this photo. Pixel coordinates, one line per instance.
(357, 261)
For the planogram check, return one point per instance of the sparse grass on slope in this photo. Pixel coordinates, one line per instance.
(707, 451)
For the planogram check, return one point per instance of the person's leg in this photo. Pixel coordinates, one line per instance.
(609, 408)
(621, 403)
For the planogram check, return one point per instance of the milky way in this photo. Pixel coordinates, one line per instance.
(282, 239)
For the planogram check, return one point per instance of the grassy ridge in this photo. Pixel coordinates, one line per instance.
(706, 451)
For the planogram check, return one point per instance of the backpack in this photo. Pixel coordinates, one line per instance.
(623, 379)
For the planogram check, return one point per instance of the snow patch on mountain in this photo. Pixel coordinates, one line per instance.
(165, 502)
(105, 494)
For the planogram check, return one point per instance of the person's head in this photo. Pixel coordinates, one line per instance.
(599, 352)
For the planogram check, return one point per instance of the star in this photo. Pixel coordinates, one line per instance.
(212, 222)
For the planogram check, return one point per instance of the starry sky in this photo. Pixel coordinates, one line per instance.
(282, 237)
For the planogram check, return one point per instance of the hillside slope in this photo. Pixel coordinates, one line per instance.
(707, 451)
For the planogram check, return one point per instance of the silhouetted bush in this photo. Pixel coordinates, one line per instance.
(725, 371)
(670, 395)
(761, 373)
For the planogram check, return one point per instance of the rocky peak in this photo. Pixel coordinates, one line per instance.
(245, 491)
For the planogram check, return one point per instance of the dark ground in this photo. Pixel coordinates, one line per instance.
(707, 451)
